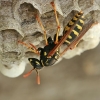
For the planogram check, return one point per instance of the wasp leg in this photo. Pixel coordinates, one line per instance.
(71, 25)
(62, 40)
(38, 76)
(27, 74)
(57, 21)
(34, 47)
(30, 47)
(75, 44)
(42, 27)
(85, 29)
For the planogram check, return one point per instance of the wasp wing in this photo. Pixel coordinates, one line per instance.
(85, 29)
(65, 35)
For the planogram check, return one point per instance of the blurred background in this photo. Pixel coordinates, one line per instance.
(74, 79)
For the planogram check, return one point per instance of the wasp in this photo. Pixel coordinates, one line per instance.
(50, 53)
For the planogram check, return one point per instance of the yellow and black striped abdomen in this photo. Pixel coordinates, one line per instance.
(78, 27)
(72, 21)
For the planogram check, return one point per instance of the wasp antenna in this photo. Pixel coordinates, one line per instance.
(30, 47)
(27, 74)
(34, 48)
(38, 77)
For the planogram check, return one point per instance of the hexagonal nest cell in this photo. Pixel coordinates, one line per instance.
(19, 23)
(26, 13)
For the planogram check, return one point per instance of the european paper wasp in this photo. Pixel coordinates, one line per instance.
(72, 34)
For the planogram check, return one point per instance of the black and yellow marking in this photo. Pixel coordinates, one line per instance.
(30, 60)
(67, 42)
(56, 57)
(37, 63)
(67, 28)
(58, 53)
(70, 37)
(78, 16)
(75, 32)
(74, 18)
(71, 23)
(81, 21)
(78, 27)
(45, 53)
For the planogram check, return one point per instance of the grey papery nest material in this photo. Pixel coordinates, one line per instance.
(17, 22)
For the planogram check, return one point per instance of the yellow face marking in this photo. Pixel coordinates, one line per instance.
(37, 63)
(45, 53)
(30, 60)
(79, 27)
(67, 28)
(69, 37)
(76, 33)
(81, 21)
(74, 18)
(71, 23)
(56, 57)
(67, 41)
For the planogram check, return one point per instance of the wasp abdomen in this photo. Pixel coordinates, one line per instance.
(78, 21)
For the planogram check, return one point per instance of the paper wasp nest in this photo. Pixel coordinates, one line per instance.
(17, 22)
